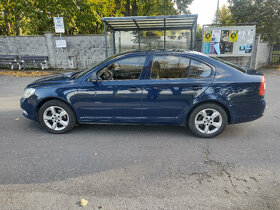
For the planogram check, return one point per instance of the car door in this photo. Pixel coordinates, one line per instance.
(172, 85)
(117, 96)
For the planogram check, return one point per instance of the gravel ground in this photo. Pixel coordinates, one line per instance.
(138, 167)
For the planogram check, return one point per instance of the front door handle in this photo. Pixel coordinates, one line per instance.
(133, 89)
(196, 87)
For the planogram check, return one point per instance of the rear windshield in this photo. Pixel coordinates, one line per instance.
(230, 64)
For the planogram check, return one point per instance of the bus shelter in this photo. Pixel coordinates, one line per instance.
(149, 33)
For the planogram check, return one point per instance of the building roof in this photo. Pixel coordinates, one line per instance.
(135, 23)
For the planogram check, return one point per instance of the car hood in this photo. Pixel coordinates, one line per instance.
(55, 79)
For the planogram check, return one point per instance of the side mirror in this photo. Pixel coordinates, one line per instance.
(94, 78)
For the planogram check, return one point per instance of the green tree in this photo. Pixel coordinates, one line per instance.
(224, 16)
(12, 16)
(182, 6)
(265, 13)
(199, 32)
(35, 17)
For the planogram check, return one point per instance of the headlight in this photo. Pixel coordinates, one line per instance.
(28, 92)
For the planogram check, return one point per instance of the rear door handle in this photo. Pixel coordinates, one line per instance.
(196, 87)
(133, 89)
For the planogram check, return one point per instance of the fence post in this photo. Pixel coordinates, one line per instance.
(253, 62)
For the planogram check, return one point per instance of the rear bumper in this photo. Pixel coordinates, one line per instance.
(248, 111)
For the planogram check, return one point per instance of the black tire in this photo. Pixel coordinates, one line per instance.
(69, 117)
(207, 121)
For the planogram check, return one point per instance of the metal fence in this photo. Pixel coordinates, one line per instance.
(275, 55)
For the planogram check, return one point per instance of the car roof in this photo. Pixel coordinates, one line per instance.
(175, 51)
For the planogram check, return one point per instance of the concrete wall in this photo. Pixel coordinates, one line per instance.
(88, 50)
(85, 51)
(263, 54)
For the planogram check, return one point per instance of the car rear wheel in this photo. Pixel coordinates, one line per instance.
(207, 120)
(56, 117)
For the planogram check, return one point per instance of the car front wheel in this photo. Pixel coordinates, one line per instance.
(56, 116)
(207, 120)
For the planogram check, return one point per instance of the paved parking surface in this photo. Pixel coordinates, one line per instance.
(138, 167)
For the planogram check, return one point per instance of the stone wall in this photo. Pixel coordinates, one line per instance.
(85, 51)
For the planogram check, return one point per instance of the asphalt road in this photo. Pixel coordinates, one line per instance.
(138, 167)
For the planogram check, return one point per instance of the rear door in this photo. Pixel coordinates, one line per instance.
(172, 85)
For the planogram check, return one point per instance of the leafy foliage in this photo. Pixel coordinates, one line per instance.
(224, 16)
(265, 13)
(35, 17)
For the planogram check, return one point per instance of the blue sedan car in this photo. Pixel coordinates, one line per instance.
(153, 87)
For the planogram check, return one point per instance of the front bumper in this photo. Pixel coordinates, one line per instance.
(28, 108)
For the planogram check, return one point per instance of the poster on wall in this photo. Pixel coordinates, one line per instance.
(226, 47)
(242, 49)
(206, 47)
(217, 48)
(212, 48)
(224, 35)
(233, 35)
(216, 35)
(207, 36)
(248, 48)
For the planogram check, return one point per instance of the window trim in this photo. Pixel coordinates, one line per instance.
(181, 55)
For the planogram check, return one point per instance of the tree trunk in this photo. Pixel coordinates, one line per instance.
(134, 8)
(127, 8)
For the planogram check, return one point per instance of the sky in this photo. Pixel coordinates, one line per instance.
(205, 10)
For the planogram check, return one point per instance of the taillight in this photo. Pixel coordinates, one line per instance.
(262, 87)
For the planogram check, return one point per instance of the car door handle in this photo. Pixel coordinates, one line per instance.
(196, 87)
(133, 89)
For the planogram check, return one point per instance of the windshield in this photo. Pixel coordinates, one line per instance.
(230, 64)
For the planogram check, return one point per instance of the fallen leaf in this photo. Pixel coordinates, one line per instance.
(84, 202)
(17, 118)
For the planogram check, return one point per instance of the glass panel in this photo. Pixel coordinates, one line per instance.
(123, 69)
(126, 41)
(151, 40)
(167, 67)
(198, 69)
(178, 39)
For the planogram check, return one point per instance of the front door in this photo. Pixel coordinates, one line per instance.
(117, 97)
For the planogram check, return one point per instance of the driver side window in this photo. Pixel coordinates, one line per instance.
(123, 69)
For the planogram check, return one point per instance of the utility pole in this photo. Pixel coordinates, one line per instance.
(217, 13)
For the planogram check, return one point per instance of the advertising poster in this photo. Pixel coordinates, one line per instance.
(216, 35)
(206, 47)
(226, 47)
(207, 36)
(212, 48)
(217, 48)
(225, 35)
(242, 49)
(248, 48)
(233, 35)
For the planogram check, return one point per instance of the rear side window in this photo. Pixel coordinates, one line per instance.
(168, 67)
(171, 67)
(123, 69)
(198, 69)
